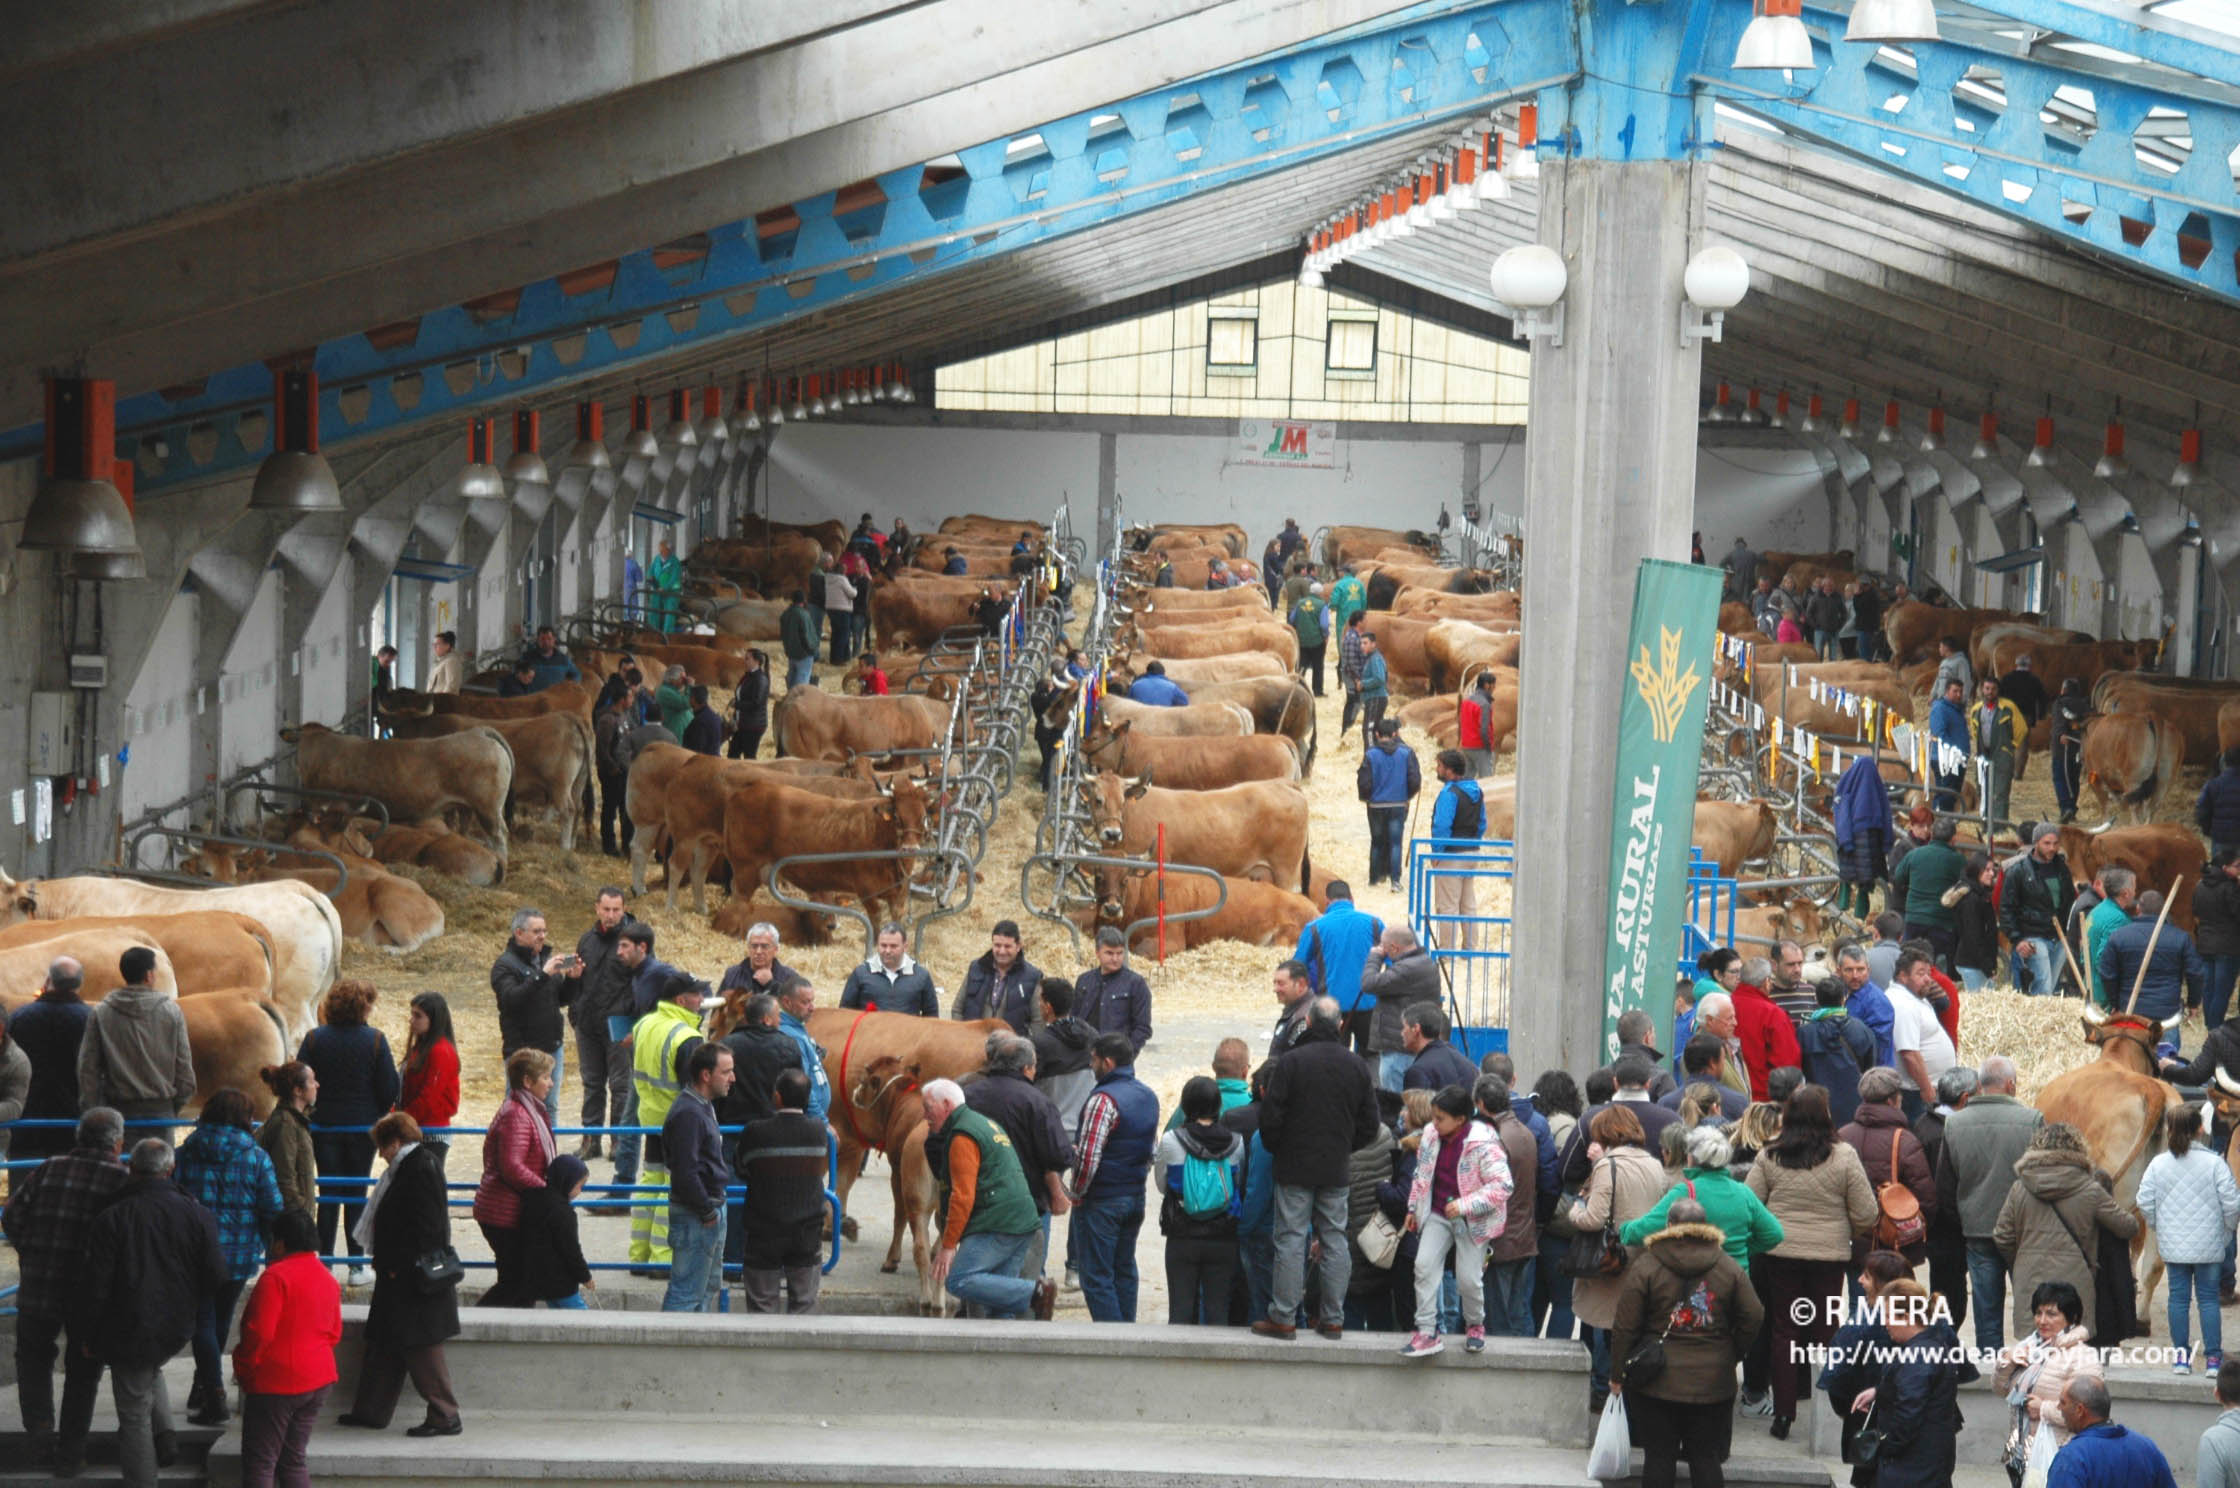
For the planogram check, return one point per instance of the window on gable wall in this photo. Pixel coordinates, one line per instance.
(1232, 345)
(1351, 349)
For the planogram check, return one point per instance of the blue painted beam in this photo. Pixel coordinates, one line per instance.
(1135, 155)
(2121, 26)
(1912, 111)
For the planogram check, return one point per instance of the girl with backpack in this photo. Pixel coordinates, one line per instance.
(1459, 1202)
(1199, 1169)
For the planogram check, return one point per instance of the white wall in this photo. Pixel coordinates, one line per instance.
(1190, 479)
(923, 475)
(160, 713)
(1774, 497)
(249, 730)
(2140, 603)
(329, 648)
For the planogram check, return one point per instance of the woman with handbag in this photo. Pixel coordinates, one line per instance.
(1818, 1189)
(1624, 1183)
(2034, 1370)
(2048, 1229)
(1458, 1203)
(516, 1151)
(1849, 1370)
(406, 1225)
(1915, 1397)
(1685, 1314)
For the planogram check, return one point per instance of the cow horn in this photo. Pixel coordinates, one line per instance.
(2094, 1015)
(2225, 1082)
(2170, 1024)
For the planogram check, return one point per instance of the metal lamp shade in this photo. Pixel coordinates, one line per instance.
(80, 516)
(1774, 43)
(528, 465)
(1892, 20)
(589, 454)
(295, 481)
(477, 482)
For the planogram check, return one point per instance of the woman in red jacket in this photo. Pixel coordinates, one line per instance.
(516, 1151)
(430, 1093)
(285, 1359)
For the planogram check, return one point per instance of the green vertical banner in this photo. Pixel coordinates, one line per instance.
(1660, 743)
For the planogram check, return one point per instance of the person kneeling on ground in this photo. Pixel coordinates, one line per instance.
(988, 1217)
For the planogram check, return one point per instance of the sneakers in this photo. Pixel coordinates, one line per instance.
(1475, 1343)
(1423, 1346)
(1759, 1404)
(2211, 1363)
(1073, 1280)
(2181, 1368)
(361, 1276)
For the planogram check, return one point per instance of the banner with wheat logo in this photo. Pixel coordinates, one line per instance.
(1660, 741)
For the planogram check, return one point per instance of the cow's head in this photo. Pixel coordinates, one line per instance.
(1109, 796)
(1112, 894)
(1061, 706)
(2127, 1037)
(879, 1082)
(906, 804)
(19, 899)
(1767, 823)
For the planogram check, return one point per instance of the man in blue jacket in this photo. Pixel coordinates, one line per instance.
(2175, 972)
(1387, 781)
(1458, 822)
(1948, 724)
(2099, 1453)
(794, 1006)
(550, 664)
(1154, 688)
(1112, 1161)
(1111, 996)
(1335, 950)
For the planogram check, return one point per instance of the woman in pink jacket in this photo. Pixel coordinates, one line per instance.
(516, 1150)
(1460, 1202)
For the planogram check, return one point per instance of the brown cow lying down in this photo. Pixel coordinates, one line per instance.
(813, 724)
(417, 779)
(1248, 831)
(1733, 832)
(378, 908)
(212, 949)
(553, 759)
(440, 850)
(764, 821)
(1254, 913)
(1190, 764)
(796, 927)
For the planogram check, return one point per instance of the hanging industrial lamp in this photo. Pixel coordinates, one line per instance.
(1526, 167)
(79, 509)
(295, 477)
(2111, 464)
(1776, 39)
(478, 479)
(589, 452)
(1933, 441)
(525, 463)
(2188, 468)
(112, 565)
(774, 399)
(1986, 446)
(679, 434)
(743, 412)
(1892, 20)
(1719, 412)
(714, 427)
(1814, 419)
(2041, 447)
(640, 441)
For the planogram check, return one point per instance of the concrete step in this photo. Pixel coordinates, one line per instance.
(19, 1470)
(649, 1450)
(1031, 1377)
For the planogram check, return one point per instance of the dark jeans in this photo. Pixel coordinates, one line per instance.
(505, 1249)
(746, 743)
(1353, 710)
(211, 1322)
(276, 1435)
(611, 810)
(1199, 1271)
(2065, 759)
(1797, 1316)
(1310, 661)
(1551, 1289)
(1257, 1255)
(346, 1154)
(1372, 709)
(2216, 993)
(39, 1338)
(1388, 839)
(1106, 1229)
(1756, 1363)
(605, 1071)
(1667, 1430)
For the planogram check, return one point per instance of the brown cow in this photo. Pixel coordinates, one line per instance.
(2084, 660)
(915, 613)
(376, 907)
(1190, 764)
(645, 795)
(1279, 641)
(1223, 534)
(1195, 721)
(2118, 1102)
(1254, 913)
(211, 949)
(564, 697)
(1189, 672)
(1732, 833)
(2188, 705)
(1257, 830)
(1735, 619)
(553, 758)
(1278, 705)
(1454, 647)
(830, 535)
(1495, 610)
(796, 927)
(1252, 598)
(1403, 642)
(887, 1105)
(1798, 920)
(1344, 544)
(416, 779)
(232, 1034)
(984, 528)
(1984, 645)
(440, 850)
(691, 834)
(1914, 627)
(764, 821)
(2131, 760)
(779, 565)
(23, 968)
(814, 724)
(719, 668)
(2159, 853)
(1191, 567)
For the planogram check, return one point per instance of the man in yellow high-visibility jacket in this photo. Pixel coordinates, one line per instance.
(660, 1043)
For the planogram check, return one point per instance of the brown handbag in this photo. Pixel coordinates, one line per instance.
(1900, 1224)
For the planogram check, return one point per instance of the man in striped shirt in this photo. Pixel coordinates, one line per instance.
(1119, 1136)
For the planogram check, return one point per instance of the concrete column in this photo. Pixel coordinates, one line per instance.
(1473, 455)
(1108, 491)
(1611, 463)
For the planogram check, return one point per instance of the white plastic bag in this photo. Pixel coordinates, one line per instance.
(1611, 1457)
(2040, 1461)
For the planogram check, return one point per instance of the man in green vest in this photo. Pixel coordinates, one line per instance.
(660, 1043)
(1305, 618)
(1347, 597)
(988, 1214)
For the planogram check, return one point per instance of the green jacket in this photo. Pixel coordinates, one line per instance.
(1306, 620)
(797, 632)
(1741, 1215)
(1922, 877)
(2106, 919)
(1346, 597)
(676, 709)
(1002, 1205)
(657, 1041)
(1234, 1093)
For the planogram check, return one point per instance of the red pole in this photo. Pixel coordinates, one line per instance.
(1161, 877)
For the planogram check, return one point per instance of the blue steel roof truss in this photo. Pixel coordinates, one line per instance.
(1133, 156)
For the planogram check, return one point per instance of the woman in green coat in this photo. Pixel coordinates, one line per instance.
(1749, 1226)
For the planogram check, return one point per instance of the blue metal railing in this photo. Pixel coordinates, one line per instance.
(344, 1189)
(1472, 946)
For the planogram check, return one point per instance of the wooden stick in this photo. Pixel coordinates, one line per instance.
(2076, 967)
(2156, 934)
